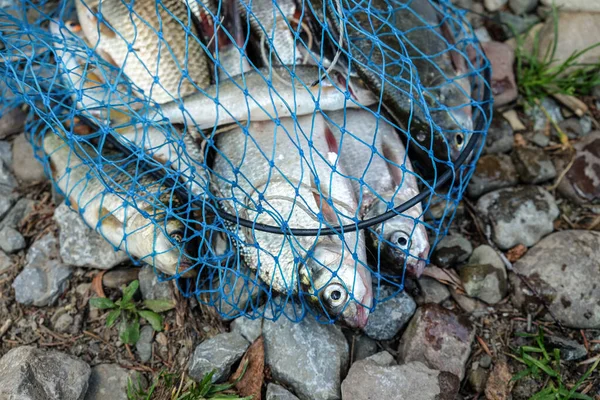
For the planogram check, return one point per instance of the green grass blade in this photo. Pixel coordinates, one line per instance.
(549, 371)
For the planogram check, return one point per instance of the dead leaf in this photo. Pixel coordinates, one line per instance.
(252, 381)
(97, 284)
(499, 383)
(519, 140)
(516, 253)
(446, 276)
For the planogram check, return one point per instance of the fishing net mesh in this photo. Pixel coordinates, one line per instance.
(254, 227)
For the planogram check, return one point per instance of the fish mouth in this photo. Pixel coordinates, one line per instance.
(415, 270)
(360, 319)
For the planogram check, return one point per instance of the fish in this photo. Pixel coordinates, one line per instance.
(412, 28)
(106, 207)
(154, 43)
(271, 22)
(370, 150)
(273, 184)
(260, 95)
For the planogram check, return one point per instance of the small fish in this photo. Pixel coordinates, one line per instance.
(269, 96)
(156, 241)
(272, 177)
(152, 42)
(271, 22)
(427, 39)
(359, 133)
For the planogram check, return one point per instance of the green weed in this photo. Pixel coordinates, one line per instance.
(543, 365)
(126, 311)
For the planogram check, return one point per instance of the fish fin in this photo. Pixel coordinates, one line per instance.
(73, 204)
(332, 143)
(328, 212)
(107, 57)
(104, 27)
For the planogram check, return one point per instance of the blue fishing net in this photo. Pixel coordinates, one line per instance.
(258, 153)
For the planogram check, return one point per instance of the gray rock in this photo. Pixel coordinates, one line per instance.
(80, 246)
(219, 353)
(144, 344)
(570, 350)
(478, 378)
(485, 254)
(383, 358)
(364, 347)
(250, 329)
(484, 282)
(519, 24)
(308, 357)
(574, 5)
(119, 277)
(586, 124)
(26, 167)
(414, 380)
(439, 338)
(28, 373)
(63, 323)
(564, 270)
(451, 250)
(538, 138)
(533, 164)
(468, 304)
(580, 183)
(482, 34)
(518, 215)
(522, 6)
(44, 277)
(571, 127)
(432, 291)
(526, 388)
(11, 240)
(12, 122)
(151, 287)
(5, 262)
(500, 137)
(493, 171)
(21, 209)
(109, 381)
(485, 361)
(7, 180)
(504, 85)
(540, 120)
(6, 201)
(6, 153)
(276, 392)
(391, 316)
(494, 5)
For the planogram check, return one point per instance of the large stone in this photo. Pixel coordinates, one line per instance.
(564, 269)
(7, 198)
(251, 329)
(548, 107)
(26, 167)
(276, 392)
(27, 373)
(504, 85)
(11, 240)
(493, 171)
(439, 338)
(12, 122)
(582, 182)
(522, 6)
(518, 215)
(574, 5)
(44, 277)
(415, 381)
(451, 250)
(119, 277)
(109, 381)
(21, 209)
(144, 344)
(5, 262)
(218, 353)
(363, 347)
(390, 316)
(7, 180)
(151, 287)
(80, 246)
(431, 291)
(484, 282)
(570, 350)
(6, 152)
(307, 356)
(516, 24)
(533, 164)
(500, 137)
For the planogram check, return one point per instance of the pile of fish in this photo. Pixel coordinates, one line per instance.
(273, 110)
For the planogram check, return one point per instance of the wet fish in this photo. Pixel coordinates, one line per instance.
(153, 43)
(157, 242)
(288, 190)
(269, 96)
(405, 238)
(428, 40)
(271, 22)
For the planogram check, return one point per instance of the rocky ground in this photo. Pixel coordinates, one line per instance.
(522, 257)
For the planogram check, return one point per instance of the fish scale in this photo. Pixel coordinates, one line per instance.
(157, 40)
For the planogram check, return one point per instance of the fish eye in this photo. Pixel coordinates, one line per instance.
(400, 238)
(334, 295)
(177, 235)
(459, 140)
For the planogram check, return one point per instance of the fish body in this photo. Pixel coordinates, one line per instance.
(370, 150)
(413, 28)
(155, 241)
(273, 184)
(152, 42)
(263, 96)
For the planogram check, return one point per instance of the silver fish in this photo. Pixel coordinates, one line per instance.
(157, 242)
(269, 96)
(359, 133)
(272, 177)
(152, 42)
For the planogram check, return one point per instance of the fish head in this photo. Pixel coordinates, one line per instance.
(341, 282)
(403, 238)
